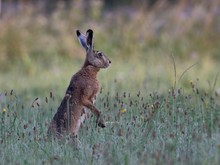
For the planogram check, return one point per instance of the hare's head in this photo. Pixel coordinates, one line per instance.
(93, 57)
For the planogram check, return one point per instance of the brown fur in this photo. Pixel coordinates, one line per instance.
(81, 92)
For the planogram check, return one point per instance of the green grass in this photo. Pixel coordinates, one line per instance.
(173, 128)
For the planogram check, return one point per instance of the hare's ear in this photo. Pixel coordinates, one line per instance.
(89, 36)
(82, 39)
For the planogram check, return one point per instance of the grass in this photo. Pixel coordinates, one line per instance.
(160, 96)
(173, 128)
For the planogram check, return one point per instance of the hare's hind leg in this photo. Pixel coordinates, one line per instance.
(82, 118)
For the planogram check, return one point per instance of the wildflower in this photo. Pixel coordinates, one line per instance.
(3, 110)
(123, 110)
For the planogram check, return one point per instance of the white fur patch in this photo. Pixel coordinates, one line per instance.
(82, 119)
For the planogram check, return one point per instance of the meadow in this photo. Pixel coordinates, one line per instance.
(160, 96)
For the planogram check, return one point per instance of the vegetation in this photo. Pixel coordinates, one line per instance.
(160, 96)
(173, 128)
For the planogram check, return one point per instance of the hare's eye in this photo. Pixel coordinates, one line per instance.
(99, 54)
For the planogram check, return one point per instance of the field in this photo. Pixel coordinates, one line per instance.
(160, 96)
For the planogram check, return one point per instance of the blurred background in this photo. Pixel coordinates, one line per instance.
(153, 44)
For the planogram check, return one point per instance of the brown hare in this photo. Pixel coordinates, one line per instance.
(81, 92)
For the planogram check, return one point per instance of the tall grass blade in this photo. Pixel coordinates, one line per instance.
(174, 67)
(187, 69)
(215, 82)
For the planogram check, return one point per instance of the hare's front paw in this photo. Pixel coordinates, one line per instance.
(100, 122)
